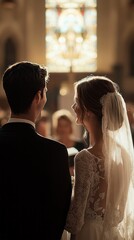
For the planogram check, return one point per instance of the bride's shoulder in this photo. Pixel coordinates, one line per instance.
(84, 155)
(96, 152)
(85, 161)
(89, 157)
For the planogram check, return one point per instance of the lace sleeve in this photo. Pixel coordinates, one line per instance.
(75, 218)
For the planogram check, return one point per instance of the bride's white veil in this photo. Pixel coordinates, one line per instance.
(119, 167)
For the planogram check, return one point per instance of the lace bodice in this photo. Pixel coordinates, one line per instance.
(89, 191)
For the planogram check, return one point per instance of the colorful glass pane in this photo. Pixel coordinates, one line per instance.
(71, 41)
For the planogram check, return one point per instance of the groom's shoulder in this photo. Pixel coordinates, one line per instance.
(51, 143)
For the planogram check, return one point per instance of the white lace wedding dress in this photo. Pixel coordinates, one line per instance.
(85, 219)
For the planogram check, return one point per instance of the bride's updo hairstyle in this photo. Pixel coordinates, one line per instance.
(96, 92)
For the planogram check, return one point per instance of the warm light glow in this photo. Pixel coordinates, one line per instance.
(64, 89)
(71, 40)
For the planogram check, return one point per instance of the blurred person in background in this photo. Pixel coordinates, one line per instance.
(63, 131)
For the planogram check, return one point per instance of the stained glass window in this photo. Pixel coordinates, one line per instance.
(71, 40)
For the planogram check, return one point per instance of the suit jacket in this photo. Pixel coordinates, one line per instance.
(35, 184)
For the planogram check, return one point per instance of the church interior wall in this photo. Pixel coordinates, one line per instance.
(25, 24)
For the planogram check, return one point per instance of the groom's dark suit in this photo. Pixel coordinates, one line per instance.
(35, 186)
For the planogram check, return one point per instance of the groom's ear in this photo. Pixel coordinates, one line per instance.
(37, 97)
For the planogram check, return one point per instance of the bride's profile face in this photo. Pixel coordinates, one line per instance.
(77, 110)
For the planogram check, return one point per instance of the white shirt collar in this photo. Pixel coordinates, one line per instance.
(11, 120)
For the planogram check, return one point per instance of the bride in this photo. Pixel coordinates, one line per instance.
(102, 206)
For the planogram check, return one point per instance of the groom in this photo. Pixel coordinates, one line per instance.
(35, 184)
